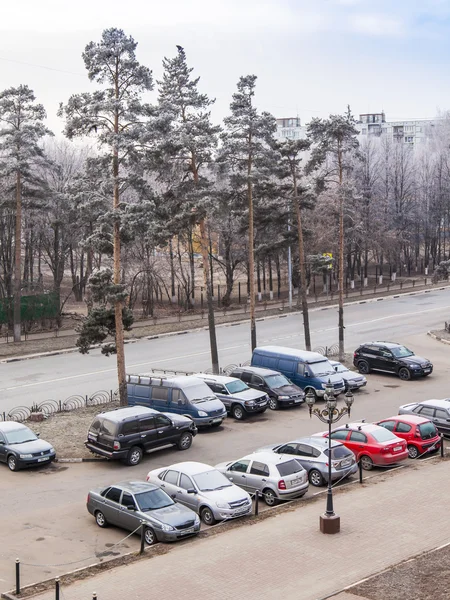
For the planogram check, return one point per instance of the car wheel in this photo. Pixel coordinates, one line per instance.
(269, 497)
(404, 374)
(185, 441)
(207, 516)
(13, 463)
(273, 404)
(134, 456)
(149, 536)
(315, 478)
(363, 367)
(238, 412)
(100, 519)
(413, 451)
(366, 462)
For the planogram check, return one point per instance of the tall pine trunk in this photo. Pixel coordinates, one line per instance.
(17, 263)
(251, 256)
(341, 260)
(121, 375)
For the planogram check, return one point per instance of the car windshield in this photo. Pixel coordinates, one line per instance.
(289, 467)
(198, 393)
(211, 480)
(383, 435)
(152, 500)
(20, 436)
(236, 386)
(340, 368)
(277, 381)
(320, 368)
(427, 431)
(338, 452)
(401, 352)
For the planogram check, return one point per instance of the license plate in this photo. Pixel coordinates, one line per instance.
(187, 531)
(426, 370)
(347, 463)
(216, 421)
(241, 511)
(297, 400)
(295, 482)
(397, 448)
(43, 459)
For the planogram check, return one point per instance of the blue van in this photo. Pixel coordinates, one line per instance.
(187, 395)
(308, 370)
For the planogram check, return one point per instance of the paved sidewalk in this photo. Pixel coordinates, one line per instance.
(392, 518)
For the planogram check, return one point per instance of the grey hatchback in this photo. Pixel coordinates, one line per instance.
(313, 454)
(127, 504)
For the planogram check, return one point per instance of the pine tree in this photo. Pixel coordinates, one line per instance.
(247, 144)
(117, 115)
(188, 140)
(290, 152)
(335, 138)
(22, 128)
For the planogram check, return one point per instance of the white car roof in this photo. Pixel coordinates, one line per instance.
(189, 467)
(269, 457)
(216, 378)
(443, 403)
(11, 426)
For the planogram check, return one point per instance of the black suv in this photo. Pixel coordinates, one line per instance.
(391, 358)
(126, 433)
(280, 390)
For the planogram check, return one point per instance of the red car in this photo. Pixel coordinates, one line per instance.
(371, 444)
(420, 434)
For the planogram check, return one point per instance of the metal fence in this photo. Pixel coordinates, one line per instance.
(50, 407)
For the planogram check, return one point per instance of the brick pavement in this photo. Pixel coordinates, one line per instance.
(396, 516)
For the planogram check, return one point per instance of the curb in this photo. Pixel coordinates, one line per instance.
(230, 324)
(439, 339)
(79, 460)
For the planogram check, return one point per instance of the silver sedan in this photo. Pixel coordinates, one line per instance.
(128, 504)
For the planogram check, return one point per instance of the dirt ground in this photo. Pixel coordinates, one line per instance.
(425, 577)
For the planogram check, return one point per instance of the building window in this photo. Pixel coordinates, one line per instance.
(409, 139)
(364, 131)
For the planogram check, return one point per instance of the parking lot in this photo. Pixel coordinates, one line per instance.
(44, 517)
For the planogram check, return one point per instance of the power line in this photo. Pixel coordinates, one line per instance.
(20, 62)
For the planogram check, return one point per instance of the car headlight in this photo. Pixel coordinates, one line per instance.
(249, 402)
(51, 449)
(202, 413)
(324, 385)
(166, 527)
(26, 455)
(283, 397)
(197, 520)
(222, 505)
(414, 366)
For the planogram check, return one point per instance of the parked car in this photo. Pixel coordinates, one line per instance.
(20, 447)
(277, 386)
(309, 370)
(390, 357)
(420, 434)
(276, 476)
(437, 411)
(126, 433)
(239, 400)
(203, 489)
(352, 381)
(371, 444)
(313, 454)
(128, 504)
(184, 395)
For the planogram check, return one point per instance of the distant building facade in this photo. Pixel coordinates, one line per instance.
(369, 124)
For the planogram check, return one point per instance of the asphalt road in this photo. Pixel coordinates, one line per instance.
(58, 377)
(44, 520)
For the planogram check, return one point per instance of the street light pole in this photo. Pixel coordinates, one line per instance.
(289, 267)
(329, 522)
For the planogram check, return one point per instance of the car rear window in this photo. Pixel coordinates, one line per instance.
(338, 452)
(101, 425)
(383, 435)
(289, 468)
(427, 431)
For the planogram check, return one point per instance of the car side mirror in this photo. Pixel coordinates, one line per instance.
(38, 434)
(306, 374)
(335, 368)
(131, 507)
(2, 443)
(191, 491)
(173, 496)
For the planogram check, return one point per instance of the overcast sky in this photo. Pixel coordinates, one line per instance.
(312, 57)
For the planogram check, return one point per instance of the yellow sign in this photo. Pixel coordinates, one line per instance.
(328, 255)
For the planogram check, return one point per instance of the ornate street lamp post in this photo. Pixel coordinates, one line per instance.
(329, 522)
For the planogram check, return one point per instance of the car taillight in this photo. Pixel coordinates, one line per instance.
(116, 446)
(148, 478)
(281, 484)
(385, 449)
